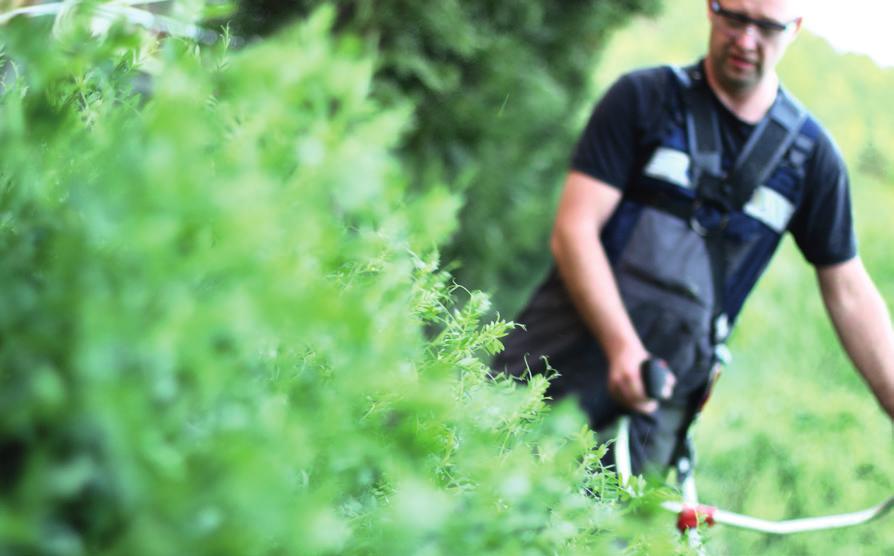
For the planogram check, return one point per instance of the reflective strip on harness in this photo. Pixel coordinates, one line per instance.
(771, 208)
(766, 205)
(670, 165)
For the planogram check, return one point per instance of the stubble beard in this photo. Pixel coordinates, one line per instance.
(733, 81)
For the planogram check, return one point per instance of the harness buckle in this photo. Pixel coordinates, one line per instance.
(702, 230)
(720, 329)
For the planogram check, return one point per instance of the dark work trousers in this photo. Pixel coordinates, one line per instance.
(553, 330)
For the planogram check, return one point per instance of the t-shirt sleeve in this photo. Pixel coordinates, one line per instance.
(607, 148)
(823, 226)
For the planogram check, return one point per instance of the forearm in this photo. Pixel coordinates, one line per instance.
(863, 324)
(585, 206)
(587, 275)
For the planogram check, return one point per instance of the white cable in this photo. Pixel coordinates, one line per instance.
(149, 20)
(792, 525)
(622, 451)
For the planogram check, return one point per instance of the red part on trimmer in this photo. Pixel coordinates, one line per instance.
(691, 516)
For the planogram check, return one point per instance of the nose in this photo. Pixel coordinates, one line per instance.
(748, 37)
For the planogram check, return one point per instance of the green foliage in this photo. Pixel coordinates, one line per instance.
(498, 90)
(213, 306)
(851, 98)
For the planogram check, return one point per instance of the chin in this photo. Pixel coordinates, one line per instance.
(738, 83)
(742, 79)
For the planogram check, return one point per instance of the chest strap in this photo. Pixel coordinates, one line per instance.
(719, 193)
(765, 147)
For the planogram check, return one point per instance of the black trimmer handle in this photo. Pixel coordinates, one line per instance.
(656, 379)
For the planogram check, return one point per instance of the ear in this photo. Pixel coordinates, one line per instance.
(798, 23)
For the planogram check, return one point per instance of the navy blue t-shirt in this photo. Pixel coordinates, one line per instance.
(621, 135)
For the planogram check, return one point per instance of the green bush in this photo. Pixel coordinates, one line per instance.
(499, 91)
(213, 305)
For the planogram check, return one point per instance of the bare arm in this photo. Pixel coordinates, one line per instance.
(585, 207)
(863, 324)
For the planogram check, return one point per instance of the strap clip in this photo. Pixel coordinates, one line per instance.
(718, 219)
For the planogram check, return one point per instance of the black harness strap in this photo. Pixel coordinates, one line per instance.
(662, 200)
(759, 157)
(702, 129)
(718, 194)
(765, 147)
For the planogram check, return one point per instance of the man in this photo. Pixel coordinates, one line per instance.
(667, 219)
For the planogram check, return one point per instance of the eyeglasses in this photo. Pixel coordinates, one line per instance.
(737, 22)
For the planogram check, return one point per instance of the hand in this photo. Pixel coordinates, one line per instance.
(625, 383)
(658, 379)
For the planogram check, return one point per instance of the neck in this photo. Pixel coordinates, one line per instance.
(749, 105)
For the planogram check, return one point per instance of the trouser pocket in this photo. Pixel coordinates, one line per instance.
(665, 280)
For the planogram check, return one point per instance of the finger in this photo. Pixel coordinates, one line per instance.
(648, 407)
(667, 389)
(629, 390)
(617, 393)
(635, 387)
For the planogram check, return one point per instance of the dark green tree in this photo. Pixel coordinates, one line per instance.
(499, 91)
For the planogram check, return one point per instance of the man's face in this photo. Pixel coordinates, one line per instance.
(748, 38)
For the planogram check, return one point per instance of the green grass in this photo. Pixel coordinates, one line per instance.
(792, 431)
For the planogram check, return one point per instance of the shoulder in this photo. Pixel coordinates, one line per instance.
(817, 143)
(818, 157)
(646, 92)
(651, 81)
(823, 222)
(650, 74)
(825, 160)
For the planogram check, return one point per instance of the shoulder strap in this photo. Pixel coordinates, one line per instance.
(702, 129)
(765, 147)
(762, 151)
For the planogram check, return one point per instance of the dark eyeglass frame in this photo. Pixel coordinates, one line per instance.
(768, 28)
